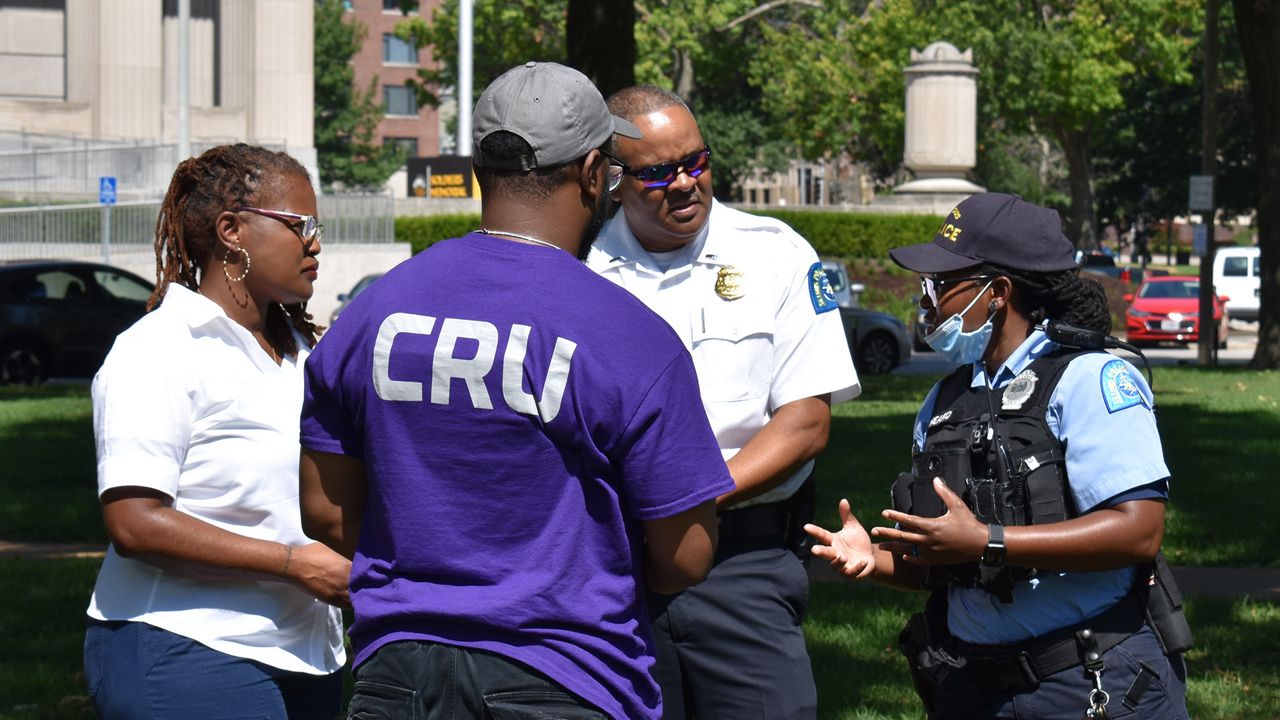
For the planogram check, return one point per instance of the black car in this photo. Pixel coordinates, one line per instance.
(58, 318)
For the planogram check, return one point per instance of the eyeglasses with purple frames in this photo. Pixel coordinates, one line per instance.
(308, 227)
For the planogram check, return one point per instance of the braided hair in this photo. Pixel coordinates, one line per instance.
(222, 178)
(1065, 296)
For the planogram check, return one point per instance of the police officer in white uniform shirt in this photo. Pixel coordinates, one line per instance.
(748, 297)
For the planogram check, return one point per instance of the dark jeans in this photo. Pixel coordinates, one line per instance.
(415, 680)
(134, 670)
(732, 648)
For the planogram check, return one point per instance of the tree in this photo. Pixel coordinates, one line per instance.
(699, 49)
(505, 34)
(346, 119)
(1258, 25)
(1053, 67)
(602, 42)
(1148, 147)
(693, 47)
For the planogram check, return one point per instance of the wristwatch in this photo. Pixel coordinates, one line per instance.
(993, 555)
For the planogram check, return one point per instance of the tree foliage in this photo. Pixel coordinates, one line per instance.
(1054, 68)
(1258, 25)
(687, 47)
(346, 118)
(504, 34)
(1148, 148)
(699, 49)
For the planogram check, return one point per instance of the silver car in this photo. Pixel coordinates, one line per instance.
(345, 298)
(877, 340)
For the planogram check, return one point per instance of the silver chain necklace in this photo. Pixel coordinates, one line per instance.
(518, 236)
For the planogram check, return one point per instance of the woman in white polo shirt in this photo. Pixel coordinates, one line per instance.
(211, 602)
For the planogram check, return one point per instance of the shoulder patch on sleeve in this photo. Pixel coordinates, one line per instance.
(1119, 390)
(820, 292)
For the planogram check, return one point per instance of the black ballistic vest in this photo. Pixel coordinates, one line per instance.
(1010, 471)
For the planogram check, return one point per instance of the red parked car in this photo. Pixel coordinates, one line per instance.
(1167, 309)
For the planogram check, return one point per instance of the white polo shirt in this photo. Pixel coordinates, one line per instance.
(189, 404)
(743, 298)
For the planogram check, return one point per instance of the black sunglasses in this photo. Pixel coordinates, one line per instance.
(663, 174)
(935, 289)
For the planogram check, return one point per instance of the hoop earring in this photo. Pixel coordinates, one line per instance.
(247, 262)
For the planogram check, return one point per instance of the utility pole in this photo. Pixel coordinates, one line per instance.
(184, 80)
(464, 77)
(1208, 343)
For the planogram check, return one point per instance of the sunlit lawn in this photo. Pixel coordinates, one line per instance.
(1219, 428)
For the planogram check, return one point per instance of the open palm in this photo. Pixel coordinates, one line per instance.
(849, 550)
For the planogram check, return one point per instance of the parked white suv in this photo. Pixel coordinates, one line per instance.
(1237, 275)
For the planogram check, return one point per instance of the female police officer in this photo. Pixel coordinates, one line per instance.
(1039, 531)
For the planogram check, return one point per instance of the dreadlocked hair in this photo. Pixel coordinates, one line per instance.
(1065, 296)
(222, 178)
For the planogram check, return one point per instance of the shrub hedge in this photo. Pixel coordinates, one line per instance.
(838, 234)
(421, 231)
(857, 235)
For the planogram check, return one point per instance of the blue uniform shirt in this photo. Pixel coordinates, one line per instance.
(1101, 410)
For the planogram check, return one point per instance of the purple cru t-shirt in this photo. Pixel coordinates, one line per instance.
(517, 416)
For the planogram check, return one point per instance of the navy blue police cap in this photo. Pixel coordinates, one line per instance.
(993, 228)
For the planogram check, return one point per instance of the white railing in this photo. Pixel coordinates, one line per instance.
(65, 231)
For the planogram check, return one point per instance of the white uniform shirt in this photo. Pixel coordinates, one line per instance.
(189, 404)
(776, 342)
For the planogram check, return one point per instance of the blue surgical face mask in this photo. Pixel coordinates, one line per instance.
(951, 341)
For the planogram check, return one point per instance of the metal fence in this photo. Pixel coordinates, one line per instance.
(67, 231)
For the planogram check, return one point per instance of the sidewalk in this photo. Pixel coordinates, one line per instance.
(1256, 583)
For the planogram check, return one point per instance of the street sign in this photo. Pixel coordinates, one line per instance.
(1200, 194)
(106, 190)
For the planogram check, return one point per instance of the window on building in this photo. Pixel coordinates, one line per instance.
(409, 145)
(395, 6)
(397, 51)
(33, 53)
(400, 100)
(753, 196)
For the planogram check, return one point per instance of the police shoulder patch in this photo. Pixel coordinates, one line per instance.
(820, 292)
(1119, 390)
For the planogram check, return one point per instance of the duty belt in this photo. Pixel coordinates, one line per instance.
(755, 521)
(1023, 665)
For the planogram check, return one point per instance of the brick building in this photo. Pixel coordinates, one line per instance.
(392, 61)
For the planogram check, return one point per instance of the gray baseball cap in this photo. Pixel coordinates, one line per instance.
(554, 108)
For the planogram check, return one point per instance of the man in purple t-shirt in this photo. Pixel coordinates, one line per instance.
(511, 448)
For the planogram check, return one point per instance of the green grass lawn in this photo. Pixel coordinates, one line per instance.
(1219, 428)
(48, 475)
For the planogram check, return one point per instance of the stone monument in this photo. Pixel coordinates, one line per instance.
(941, 131)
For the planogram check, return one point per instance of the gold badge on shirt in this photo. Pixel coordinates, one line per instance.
(729, 283)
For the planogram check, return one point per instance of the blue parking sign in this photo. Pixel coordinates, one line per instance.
(106, 190)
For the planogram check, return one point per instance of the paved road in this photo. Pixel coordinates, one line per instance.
(1241, 342)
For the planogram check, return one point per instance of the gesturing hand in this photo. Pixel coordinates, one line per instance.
(956, 536)
(849, 550)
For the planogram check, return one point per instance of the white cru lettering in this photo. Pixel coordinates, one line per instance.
(552, 389)
(445, 368)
